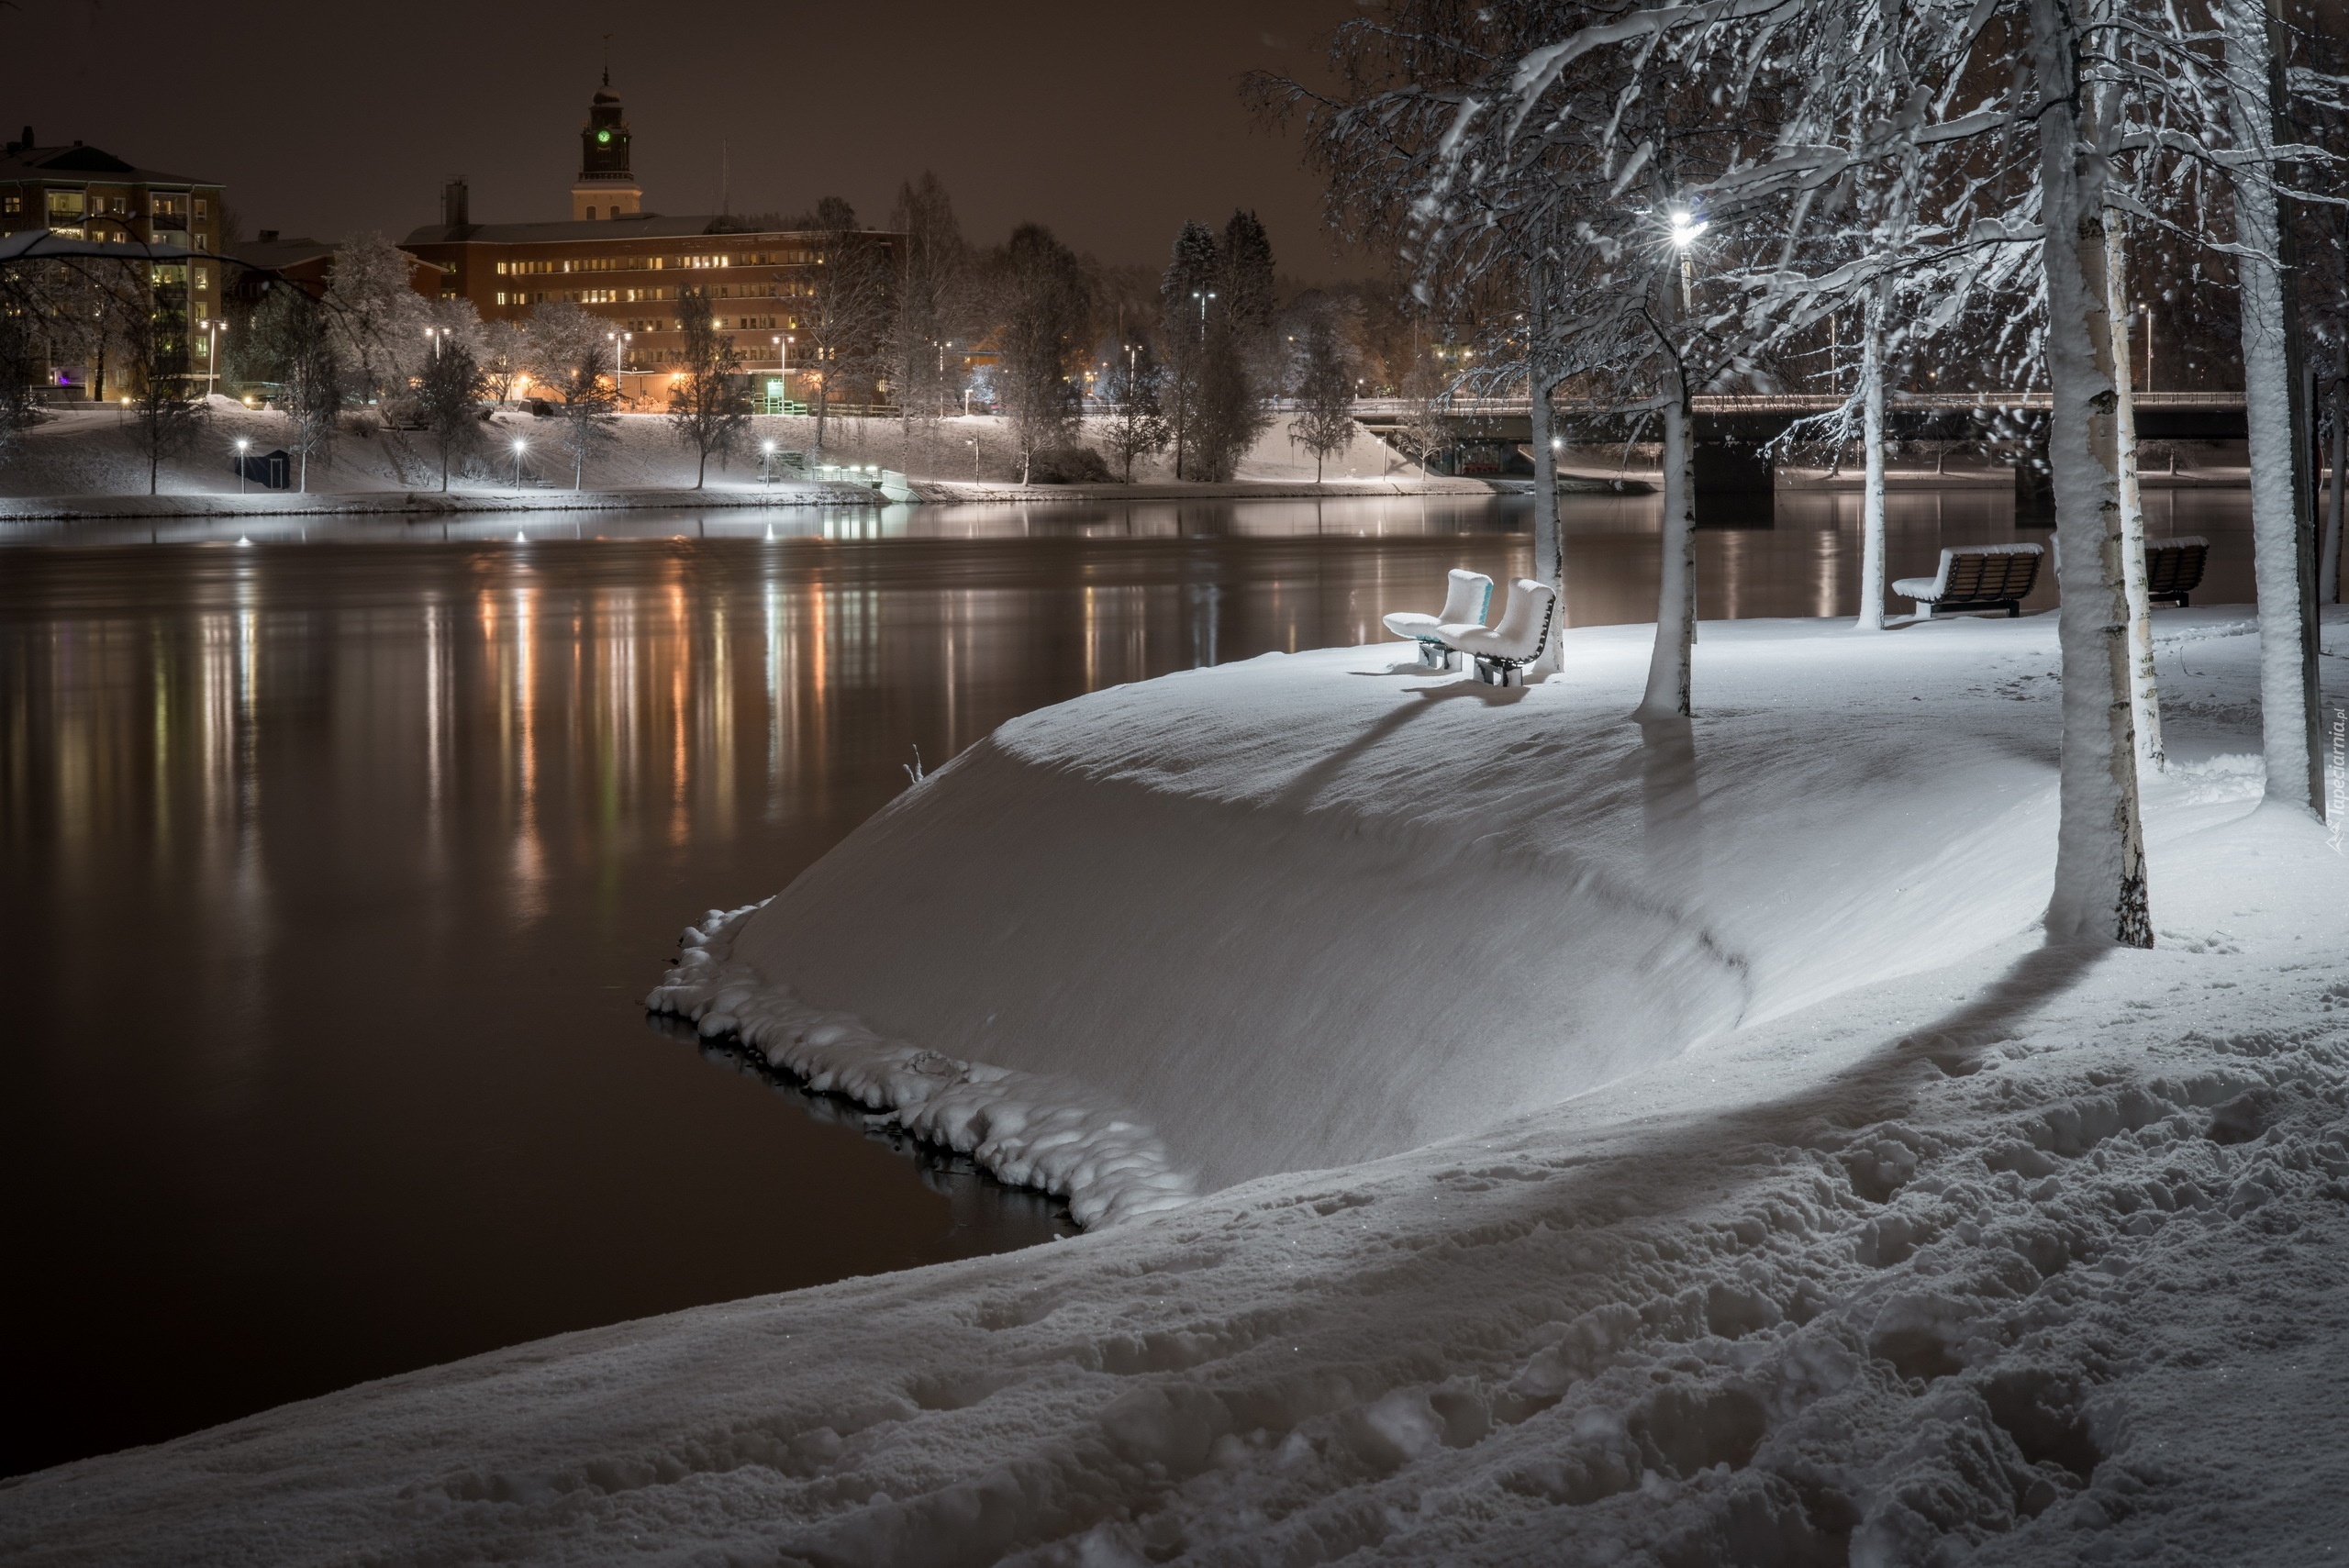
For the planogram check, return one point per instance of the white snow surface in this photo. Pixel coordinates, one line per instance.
(1878, 1231)
(1318, 908)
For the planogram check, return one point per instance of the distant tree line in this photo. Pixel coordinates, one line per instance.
(1093, 369)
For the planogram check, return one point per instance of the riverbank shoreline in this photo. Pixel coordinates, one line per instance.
(419, 502)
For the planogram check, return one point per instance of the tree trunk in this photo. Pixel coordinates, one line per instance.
(1676, 609)
(1872, 492)
(1549, 539)
(2282, 531)
(2144, 690)
(2328, 572)
(2101, 895)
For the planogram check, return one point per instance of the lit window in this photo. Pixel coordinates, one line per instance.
(501, 272)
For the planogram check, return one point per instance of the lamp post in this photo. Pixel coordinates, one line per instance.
(242, 444)
(518, 445)
(766, 451)
(1686, 227)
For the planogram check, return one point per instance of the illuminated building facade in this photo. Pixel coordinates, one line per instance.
(82, 192)
(627, 266)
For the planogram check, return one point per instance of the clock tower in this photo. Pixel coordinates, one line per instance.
(604, 188)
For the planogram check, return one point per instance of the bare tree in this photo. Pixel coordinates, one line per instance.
(505, 358)
(20, 370)
(931, 300)
(1047, 308)
(846, 316)
(447, 394)
(1137, 425)
(1325, 381)
(709, 407)
(164, 413)
(570, 362)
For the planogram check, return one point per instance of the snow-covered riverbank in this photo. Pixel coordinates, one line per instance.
(1715, 1167)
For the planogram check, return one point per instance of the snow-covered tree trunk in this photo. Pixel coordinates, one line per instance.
(1675, 608)
(2099, 894)
(1549, 545)
(1549, 539)
(2282, 531)
(2145, 691)
(1872, 493)
(2328, 569)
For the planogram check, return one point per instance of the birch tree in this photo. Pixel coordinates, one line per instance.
(709, 409)
(2282, 528)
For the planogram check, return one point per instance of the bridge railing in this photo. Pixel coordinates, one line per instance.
(1798, 403)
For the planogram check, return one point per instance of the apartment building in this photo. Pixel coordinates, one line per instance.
(82, 192)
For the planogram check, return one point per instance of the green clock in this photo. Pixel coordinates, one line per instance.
(603, 136)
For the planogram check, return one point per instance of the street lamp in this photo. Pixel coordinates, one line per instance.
(1686, 227)
(242, 444)
(520, 445)
(766, 450)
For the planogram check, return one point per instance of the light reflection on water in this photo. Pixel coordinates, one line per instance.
(336, 872)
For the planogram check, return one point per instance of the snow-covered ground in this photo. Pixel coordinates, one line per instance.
(1665, 1146)
(92, 452)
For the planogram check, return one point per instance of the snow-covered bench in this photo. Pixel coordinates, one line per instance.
(1465, 599)
(1501, 653)
(1977, 577)
(2173, 568)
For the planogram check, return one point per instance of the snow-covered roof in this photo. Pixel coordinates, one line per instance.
(90, 165)
(40, 244)
(627, 226)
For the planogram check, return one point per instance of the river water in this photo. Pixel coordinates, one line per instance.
(338, 858)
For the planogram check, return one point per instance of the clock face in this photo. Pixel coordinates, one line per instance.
(603, 136)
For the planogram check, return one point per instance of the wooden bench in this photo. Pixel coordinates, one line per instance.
(2173, 568)
(1977, 577)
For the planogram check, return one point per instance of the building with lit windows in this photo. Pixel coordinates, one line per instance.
(83, 193)
(627, 266)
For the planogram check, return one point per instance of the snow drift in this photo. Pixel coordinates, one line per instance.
(1318, 908)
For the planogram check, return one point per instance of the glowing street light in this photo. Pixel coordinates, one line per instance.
(766, 451)
(520, 447)
(242, 443)
(1686, 227)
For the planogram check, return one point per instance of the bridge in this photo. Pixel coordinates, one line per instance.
(1490, 435)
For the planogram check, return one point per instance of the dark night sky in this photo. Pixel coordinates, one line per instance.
(1111, 122)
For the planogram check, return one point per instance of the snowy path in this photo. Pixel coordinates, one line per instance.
(2021, 1257)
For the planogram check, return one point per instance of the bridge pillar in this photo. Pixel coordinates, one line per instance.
(2034, 491)
(1735, 486)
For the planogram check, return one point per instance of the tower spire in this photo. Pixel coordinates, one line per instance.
(607, 186)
